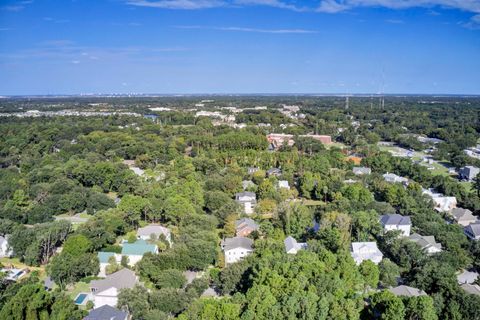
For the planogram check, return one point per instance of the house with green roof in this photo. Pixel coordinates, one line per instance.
(135, 251)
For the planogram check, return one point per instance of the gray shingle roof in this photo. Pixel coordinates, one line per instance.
(425, 241)
(237, 242)
(122, 279)
(157, 230)
(245, 222)
(106, 312)
(407, 291)
(395, 219)
(461, 214)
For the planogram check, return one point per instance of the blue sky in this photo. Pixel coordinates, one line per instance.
(239, 46)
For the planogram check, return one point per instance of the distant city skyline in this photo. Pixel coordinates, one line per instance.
(239, 47)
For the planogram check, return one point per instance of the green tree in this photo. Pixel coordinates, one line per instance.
(386, 306)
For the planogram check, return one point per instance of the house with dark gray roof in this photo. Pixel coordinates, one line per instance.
(292, 246)
(427, 243)
(235, 249)
(245, 226)
(106, 312)
(473, 231)
(105, 291)
(462, 216)
(392, 222)
(406, 291)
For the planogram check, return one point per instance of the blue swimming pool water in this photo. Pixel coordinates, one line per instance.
(80, 298)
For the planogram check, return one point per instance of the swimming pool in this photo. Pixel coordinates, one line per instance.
(81, 298)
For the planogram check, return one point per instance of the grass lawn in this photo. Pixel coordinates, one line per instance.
(313, 202)
(79, 287)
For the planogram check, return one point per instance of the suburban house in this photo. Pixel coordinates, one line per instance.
(468, 172)
(154, 231)
(471, 288)
(467, 277)
(396, 222)
(106, 312)
(104, 258)
(245, 226)
(5, 251)
(135, 251)
(247, 200)
(441, 203)
(472, 231)
(427, 243)
(361, 251)
(105, 291)
(406, 291)
(236, 248)
(292, 246)
(274, 172)
(283, 184)
(463, 217)
(360, 171)
(393, 178)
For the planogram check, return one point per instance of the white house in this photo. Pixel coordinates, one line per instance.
(392, 222)
(247, 200)
(155, 231)
(361, 251)
(5, 251)
(236, 248)
(292, 246)
(427, 243)
(105, 291)
(441, 203)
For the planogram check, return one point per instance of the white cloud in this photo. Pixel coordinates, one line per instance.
(178, 4)
(256, 30)
(208, 4)
(334, 6)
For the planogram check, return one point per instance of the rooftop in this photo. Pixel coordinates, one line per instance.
(138, 248)
(122, 279)
(406, 291)
(237, 242)
(395, 219)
